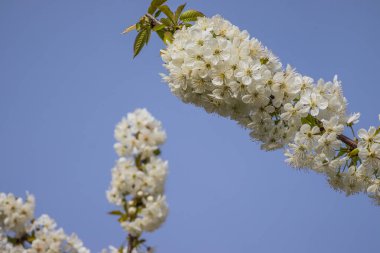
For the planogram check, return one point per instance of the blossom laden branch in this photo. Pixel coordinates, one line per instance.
(21, 232)
(215, 65)
(138, 178)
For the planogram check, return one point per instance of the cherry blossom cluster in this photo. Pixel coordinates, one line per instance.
(214, 65)
(139, 175)
(20, 232)
(369, 153)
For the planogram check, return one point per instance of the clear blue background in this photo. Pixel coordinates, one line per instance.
(67, 77)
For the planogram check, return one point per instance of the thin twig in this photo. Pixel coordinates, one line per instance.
(130, 243)
(153, 20)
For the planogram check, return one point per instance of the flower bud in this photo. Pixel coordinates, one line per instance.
(132, 210)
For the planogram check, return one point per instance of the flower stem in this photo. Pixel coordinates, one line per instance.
(131, 243)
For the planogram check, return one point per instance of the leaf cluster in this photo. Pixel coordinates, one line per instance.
(163, 21)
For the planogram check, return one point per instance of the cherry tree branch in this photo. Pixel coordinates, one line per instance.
(346, 140)
(153, 20)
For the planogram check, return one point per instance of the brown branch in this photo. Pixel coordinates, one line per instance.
(131, 240)
(153, 20)
(347, 141)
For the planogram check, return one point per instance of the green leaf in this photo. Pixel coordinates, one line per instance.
(12, 240)
(123, 218)
(149, 31)
(305, 121)
(115, 212)
(160, 34)
(138, 161)
(140, 41)
(157, 152)
(157, 14)
(159, 27)
(154, 5)
(138, 26)
(166, 10)
(354, 152)
(179, 11)
(129, 29)
(141, 241)
(341, 152)
(309, 120)
(264, 60)
(190, 15)
(166, 22)
(168, 38)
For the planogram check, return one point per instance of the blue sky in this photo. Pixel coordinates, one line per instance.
(67, 77)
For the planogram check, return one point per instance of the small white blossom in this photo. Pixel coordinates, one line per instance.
(353, 119)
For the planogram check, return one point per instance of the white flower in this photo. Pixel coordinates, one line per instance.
(328, 144)
(293, 112)
(257, 97)
(332, 126)
(308, 135)
(314, 102)
(368, 137)
(217, 50)
(374, 188)
(370, 156)
(353, 119)
(322, 163)
(248, 71)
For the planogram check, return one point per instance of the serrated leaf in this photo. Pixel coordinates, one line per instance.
(193, 15)
(159, 27)
(149, 31)
(129, 29)
(115, 212)
(179, 11)
(166, 21)
(154, 5)
(166, 10)
(187, 20)
(140, 41)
